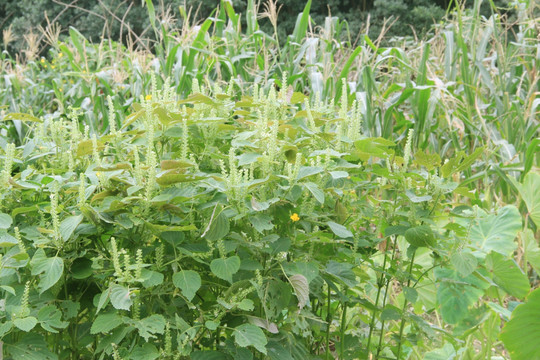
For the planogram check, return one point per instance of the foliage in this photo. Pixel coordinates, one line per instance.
(236, 196)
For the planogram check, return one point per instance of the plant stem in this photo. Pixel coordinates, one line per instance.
(379, 287)
(405, 302)
(328, 320)
(343, 327)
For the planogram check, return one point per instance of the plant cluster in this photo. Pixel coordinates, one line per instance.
(234, 198)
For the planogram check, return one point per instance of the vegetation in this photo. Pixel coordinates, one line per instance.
(236, 195)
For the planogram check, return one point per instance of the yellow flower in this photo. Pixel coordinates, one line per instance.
(148, 97)
(295, 217)
(60, 55)
(43, 60)
(52, 66)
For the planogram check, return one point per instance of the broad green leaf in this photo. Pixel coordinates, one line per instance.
(225, 268)
(218, 228)
(508, 275)
(250, 335)
(7, 240)
(530, 193)
(301, 289)
(390, 312)
(520, 335)
(105, 323)
(25, 324)
(447, 352)
(456, 294)
(149, 326)
(68, 226)
(316, 191)
(417, 199)
(172, 178)
(248, 158)
(81, 268)
(188, 281)
(151, 278)
(496, 232)
(49, 269)
(145, 352)
(306, 171)
(464, 262)
(30, 346)
(50, 319)
(340, 230)
(120, 297)
(342, 271)
(429, 161)
(261, 222)
(5, 221)
(420, 236)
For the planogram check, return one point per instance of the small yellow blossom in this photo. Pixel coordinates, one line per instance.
(43, 60)
(148, 97)
(60, 55)
(52, 66)
(98, 174)
(295, 217)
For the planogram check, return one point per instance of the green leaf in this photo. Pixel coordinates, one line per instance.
(390, 312)
(508, 275)
(340, 230)
(50, 319)
(250, 335)
(120, 297)
(445, 353)
(301, 289)
(464, 262)
(151, 278)
(520, 335)
(7, 240)
(105, 323)
(25, 324)
(81, 268)
(68, 226)
(49, 269)
(530, 193)
(342, 271)
(5, 221)
(261, 222)
(154, 324)
(217, 228)
(457, 293)
(316, 191)
(188, 281)
(306, 171)
(172, 178)
(429, 161)
(225, 268)
(30, 346)
(496, 232)
(420, 236)
(146, 352)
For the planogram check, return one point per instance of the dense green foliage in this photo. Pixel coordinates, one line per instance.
(95, 19)
(237, 195)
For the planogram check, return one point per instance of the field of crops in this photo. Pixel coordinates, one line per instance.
(224, 193)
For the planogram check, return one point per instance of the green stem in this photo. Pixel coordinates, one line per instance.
(343, 327)
(379, 287)
(405, 302)
(328, 320)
